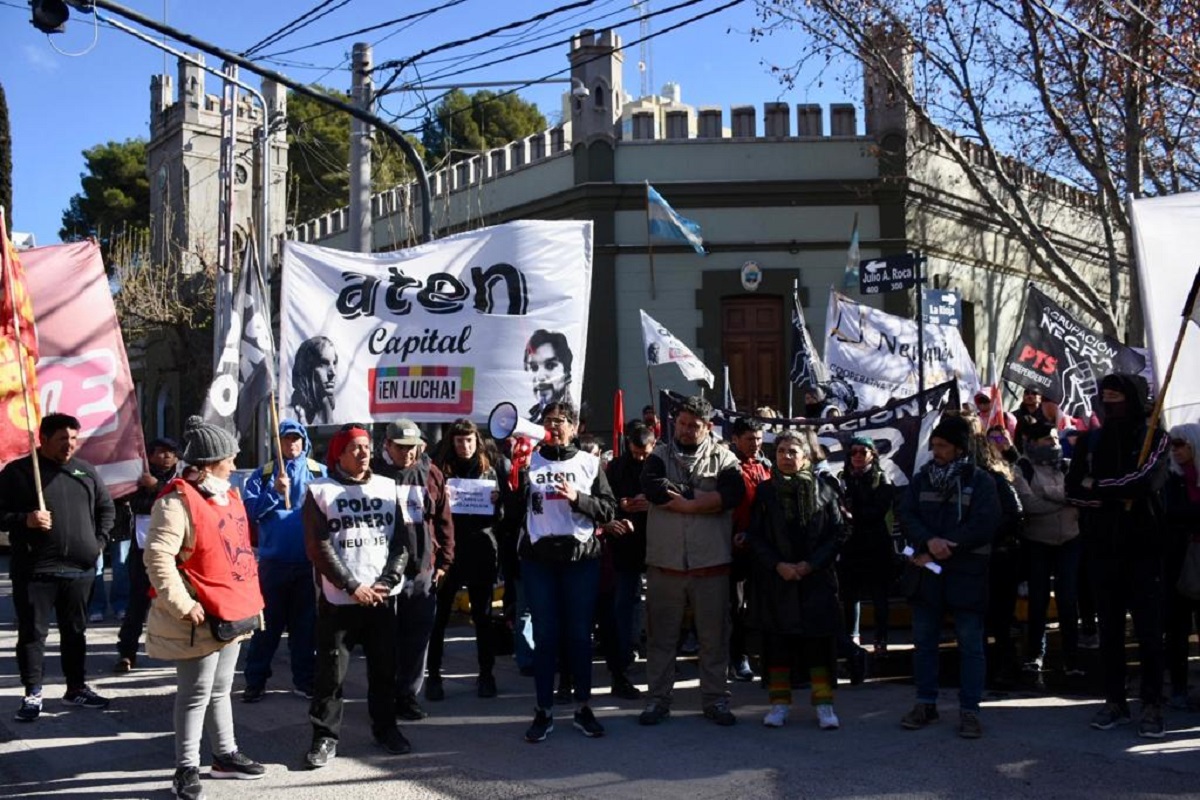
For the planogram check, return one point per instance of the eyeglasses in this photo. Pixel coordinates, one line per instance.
(555, 422)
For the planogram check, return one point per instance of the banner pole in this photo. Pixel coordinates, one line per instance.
(650, 383)
(795, 309)
(920, 335)
(278, 442)
(1162, 394)
(21, 358)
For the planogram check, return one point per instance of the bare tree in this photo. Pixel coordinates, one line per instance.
(1099, 94)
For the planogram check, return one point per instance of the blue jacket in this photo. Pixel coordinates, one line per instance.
(280, 529)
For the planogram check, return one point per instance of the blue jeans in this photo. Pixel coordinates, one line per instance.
(523, 641)
(927, 628)
(562, 597)
(291, 605)
(116, 555)
(1062, 563)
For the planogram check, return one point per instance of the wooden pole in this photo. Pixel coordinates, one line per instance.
(1162, 394)
(278, 442)
(10, 279)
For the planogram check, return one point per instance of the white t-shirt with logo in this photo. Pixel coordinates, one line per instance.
(549, 513)
(362, 520)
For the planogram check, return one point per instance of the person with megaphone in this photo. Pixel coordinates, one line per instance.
(566, 499)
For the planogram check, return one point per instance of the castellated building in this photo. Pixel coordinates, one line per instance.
(772, 184)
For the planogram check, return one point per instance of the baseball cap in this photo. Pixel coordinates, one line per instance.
(404, 431)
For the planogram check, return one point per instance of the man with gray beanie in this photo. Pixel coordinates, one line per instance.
(949, 513)
(429, 529)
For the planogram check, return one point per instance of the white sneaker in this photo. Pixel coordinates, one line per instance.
(777, 716)
(826, 718)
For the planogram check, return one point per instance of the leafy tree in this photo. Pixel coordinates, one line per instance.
(5, 160)
(319, 158)
(1100, 95)
(115, 196)
(463, 124)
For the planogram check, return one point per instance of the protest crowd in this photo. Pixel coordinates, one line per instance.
(799, 552)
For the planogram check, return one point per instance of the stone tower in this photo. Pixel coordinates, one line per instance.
(596, 62)
(184, 167)
(888, 117)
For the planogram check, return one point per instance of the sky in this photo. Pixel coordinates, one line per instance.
(90, 85)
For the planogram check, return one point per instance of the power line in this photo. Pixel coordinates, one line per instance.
(301, 22)
(452, 74)
(399, 64)
(416, 15)
(556, 73)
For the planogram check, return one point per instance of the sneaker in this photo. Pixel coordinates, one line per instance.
(858, 666)
(719, 713)
(587, 724)
(124, 664)
(1089, 641)
(253, 694)
(1032, 666)
(622, 688)
(435, 691)
(969, 726)
(654, 714)
(186, 784)
(407, 708)
(84, 698)
(486, 685)
(322, 750)
(777, 715)
(304, 694)
(542, 726)
(236, 765)
(31, 708)
(1150, 726)
(922, 714)
(393, 741)
(1110, 716)
(95, 616)
(827, 720)
(741, 671)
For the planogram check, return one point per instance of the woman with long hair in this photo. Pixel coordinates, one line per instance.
(207, 601)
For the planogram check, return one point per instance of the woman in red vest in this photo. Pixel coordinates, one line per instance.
(207, 600)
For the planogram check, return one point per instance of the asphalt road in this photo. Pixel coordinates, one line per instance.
(1036, 743)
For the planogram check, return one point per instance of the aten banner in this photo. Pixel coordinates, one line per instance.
(439, 331)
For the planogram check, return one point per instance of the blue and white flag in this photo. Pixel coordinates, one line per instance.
(850, 279)
(664, 223)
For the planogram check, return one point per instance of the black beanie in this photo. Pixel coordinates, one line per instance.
(955, 430)
(206, 444)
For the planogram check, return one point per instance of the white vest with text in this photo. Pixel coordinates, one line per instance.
(550, 513)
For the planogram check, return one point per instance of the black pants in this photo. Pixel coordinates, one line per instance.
(1180, 617)
(36, 597)
(339, 630)
(739, 573)
(416, 607)
(1133, 583)
(139, 604)
(480, 595)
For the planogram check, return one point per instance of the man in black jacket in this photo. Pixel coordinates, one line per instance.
(1119, 495)
(54, 550)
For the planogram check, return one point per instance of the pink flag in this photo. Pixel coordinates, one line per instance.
(83, 370)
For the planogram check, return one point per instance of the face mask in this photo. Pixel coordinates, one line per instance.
(217, 487)
(1114, 410)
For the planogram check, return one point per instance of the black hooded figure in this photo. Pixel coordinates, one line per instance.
(1118, 492)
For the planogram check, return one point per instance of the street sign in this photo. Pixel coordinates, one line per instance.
(941, 307)
(890, 274)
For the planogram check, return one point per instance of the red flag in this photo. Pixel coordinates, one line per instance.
(18, 353)
(618, 421)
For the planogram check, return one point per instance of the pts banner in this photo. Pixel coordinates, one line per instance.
(439, 331)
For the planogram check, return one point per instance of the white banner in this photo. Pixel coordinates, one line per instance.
(438, 331)
(664, 347)
(471, 496)
(875, 354)
(1167, 261)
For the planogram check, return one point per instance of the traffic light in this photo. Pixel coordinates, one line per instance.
(50, 16)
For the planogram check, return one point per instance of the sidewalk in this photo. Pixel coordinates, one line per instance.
(1035, 744)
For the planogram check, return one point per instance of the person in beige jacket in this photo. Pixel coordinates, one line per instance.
(200, 563)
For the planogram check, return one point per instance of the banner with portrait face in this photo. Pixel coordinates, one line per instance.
(1063, 358)
(438, 331)
(899, 429)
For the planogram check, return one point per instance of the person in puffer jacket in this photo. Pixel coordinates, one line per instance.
(1053, 546)
(274, 494)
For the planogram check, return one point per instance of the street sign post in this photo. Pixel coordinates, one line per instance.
(941, 307)
(889, 274)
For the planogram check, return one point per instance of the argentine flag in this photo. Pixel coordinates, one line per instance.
(664, 223)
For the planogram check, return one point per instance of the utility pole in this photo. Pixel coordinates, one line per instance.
(362, 95)
(410, 153)
(223, 303)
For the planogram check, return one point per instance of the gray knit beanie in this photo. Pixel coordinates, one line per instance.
(206, 444)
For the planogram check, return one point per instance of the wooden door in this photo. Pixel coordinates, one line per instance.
(752, 344)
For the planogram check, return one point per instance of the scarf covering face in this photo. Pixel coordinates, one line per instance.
(797, 495)
(944, 477)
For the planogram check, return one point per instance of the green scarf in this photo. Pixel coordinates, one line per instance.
(797, 495)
